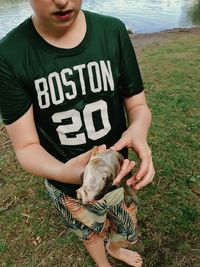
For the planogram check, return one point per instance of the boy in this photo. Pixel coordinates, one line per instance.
(65, 76)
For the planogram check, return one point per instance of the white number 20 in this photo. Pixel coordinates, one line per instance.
(76, 124)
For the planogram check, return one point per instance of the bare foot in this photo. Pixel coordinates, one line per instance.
(130, 257)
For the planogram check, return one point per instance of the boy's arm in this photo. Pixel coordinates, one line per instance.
(135, 137)
(35, 159)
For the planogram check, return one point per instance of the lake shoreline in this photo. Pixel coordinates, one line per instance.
(142, 40)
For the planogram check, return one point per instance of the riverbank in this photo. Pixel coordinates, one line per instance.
(157, 38)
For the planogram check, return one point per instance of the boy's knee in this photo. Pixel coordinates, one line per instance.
(93, 238)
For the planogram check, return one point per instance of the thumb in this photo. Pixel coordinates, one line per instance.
(86, 156)
(121, 143)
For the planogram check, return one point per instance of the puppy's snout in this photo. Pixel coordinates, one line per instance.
(80, 193)
(85, 194)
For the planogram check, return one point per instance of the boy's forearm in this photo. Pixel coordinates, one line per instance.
(139, 118)
(37, 161)
(34, 158)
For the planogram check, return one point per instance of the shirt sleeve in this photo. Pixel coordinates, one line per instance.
(130, 78)
(14, 99)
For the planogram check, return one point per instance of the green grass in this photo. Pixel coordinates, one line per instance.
(169, 214)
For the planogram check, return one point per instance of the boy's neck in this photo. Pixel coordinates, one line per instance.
(68, 37)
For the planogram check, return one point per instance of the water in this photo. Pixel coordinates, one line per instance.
(141, 16)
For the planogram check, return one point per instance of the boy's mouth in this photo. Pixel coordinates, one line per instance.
(63, 13)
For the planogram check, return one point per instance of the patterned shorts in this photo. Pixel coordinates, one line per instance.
(108, 217)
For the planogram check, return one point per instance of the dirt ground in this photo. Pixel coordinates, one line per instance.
(142, 40)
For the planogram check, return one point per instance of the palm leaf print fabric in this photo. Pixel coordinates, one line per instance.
(108, 217)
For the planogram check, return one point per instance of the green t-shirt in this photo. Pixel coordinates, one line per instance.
(77, 94)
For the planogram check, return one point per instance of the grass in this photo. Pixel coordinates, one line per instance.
(169, 214)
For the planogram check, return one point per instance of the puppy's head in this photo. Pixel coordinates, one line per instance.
(99, 174)
(94, 180)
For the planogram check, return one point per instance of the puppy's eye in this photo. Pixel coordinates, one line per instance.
(104, 179)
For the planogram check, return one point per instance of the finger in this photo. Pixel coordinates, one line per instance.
(148, 178)
(138, 175)
(101, 148)
(85, 157)
(121, 143)
(127, 166)
(122, 172)
(144, 165)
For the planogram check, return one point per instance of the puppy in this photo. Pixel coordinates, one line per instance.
(99, 175)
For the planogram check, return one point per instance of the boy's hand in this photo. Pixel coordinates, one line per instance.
(144, 175)
(76, 166)
(126, 167)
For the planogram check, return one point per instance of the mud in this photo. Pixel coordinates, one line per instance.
(143, 40)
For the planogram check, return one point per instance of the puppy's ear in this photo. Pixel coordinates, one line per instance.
(97, 163)
(94, 151)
